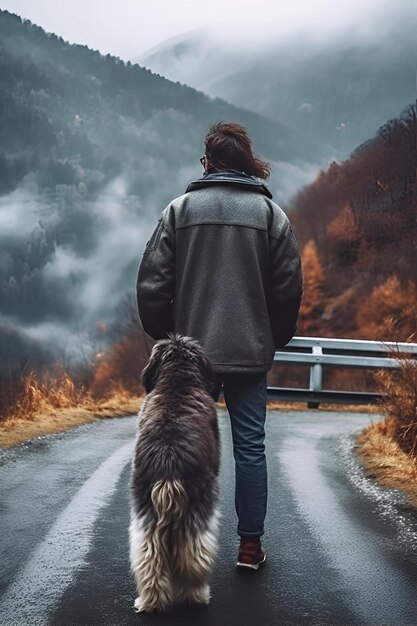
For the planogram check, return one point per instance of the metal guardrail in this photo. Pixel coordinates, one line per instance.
(318, 352)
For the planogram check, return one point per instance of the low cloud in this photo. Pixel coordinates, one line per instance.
(288, 178)
(19, 213)
(137, 27)
(66, 265)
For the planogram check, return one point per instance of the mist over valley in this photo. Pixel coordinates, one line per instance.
(332, 89)
(92, 151)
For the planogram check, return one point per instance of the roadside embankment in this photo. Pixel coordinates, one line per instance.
(385, 461)
(388, 449)
(48, 418)
(51, 419)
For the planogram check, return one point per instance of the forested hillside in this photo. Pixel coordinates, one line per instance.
(101, 115)
(333, 91)
(357, 226)
(92, 149)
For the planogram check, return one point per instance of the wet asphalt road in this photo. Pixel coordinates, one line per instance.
(340, 549)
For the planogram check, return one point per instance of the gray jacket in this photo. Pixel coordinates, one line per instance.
(223, 266)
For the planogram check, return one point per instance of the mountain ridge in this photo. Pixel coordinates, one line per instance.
(93, 149)
(335, 93)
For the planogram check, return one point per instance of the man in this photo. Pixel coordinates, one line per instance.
(223, 266)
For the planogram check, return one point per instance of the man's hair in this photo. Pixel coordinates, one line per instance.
(229, 146)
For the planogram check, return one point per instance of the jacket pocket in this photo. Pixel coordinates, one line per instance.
(155, 237)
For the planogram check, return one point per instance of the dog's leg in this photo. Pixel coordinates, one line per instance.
(194, 595)
(194, 558)
(150, 567)
(136, 538)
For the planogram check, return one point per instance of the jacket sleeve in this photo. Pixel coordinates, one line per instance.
(285, 284)
(156, 282)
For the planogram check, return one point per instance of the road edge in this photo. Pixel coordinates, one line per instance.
(384, 461)
(16, 431)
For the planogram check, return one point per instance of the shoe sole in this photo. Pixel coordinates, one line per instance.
(254, 566)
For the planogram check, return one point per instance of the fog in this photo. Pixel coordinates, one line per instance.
(19, 214)
(130, 28)
(62, 296)
(59, 292)
(288, 178)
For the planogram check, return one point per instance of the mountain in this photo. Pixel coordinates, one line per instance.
(66, 97)
(357, 228)
(92, 151)
(333, 94)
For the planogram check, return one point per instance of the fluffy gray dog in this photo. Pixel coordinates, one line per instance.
(173, 529)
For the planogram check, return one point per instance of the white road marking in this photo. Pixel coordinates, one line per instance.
(348, 547)
(388, 502)
(54, 562)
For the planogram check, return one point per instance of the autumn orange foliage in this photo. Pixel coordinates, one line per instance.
(389, 312)
(343, 236)
(358, 220)
(400, 402)
(356, 225)
(35, 395)
(313, 278)
(122, 365)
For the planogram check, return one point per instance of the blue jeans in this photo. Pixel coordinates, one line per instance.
(245, 396)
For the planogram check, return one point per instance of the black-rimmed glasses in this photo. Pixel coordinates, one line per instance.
(203, 160)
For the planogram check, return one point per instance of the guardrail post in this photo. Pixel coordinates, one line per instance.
(316, 377)
(320, 352)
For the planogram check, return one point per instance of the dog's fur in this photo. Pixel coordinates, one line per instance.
(173, 529)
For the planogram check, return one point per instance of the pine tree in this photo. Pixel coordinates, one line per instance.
(313, 279)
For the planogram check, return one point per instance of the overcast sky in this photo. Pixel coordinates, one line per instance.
(129, 27)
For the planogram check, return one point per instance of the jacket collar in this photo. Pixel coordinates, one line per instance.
(229, 177)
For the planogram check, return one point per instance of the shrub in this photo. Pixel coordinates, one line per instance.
(389, 312)
(400, 401)
(343, 236)
(313, 278)
(35, 395)
(121, 367)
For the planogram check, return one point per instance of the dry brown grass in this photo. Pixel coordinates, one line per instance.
(280, 405)
(343, 408)
(400, 402)
(388, 449)
(384, 460)
(38, 396)
(54, 406)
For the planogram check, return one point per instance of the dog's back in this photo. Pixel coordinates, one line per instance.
(174, 481)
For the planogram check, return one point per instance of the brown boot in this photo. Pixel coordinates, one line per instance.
(251, 554)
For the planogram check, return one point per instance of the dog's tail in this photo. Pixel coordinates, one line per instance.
(169, 499)
(151, 560)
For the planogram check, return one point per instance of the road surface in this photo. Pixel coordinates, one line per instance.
(340, 549)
